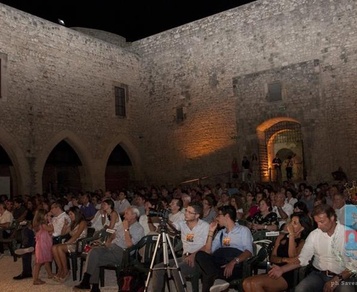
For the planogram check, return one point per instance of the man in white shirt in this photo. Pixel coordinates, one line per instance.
(282, 209)
(332, 268)
(60, 217)
(194, 233)
(121, 203)
(6, 219)
(176, 214)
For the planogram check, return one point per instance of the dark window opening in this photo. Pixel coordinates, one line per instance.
(120, 101)
(180, 115)
(274, 91)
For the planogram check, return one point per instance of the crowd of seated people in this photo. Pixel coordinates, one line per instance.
(266, 207)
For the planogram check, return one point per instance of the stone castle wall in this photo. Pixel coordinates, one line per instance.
(219, 67)
(60, 85)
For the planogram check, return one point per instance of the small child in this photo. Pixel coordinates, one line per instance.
(43, 247)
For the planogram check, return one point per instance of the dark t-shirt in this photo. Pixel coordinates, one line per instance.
(18, 212)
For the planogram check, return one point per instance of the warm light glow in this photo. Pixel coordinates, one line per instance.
(204, 135)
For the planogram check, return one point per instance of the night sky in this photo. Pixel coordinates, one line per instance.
(131, 19)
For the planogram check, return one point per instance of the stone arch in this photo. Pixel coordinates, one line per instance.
(77, 145)
(130, 150)
(20, 171)
(280, 135)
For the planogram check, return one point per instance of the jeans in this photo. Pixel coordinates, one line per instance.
(210, 266)
(315, 282)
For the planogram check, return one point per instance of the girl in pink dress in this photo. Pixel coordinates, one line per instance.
(43, 247)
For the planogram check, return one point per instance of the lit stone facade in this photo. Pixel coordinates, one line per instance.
(57, 84)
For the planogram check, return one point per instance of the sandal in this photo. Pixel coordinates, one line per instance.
(51, 276)
(65, 278)
(39, 282)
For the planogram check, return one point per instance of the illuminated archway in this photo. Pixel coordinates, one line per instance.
(280, 136)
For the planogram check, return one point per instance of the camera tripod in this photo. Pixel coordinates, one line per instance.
(164, 238)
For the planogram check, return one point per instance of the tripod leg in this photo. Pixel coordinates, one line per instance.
(166, 242)
(152, 263)
(177, 267)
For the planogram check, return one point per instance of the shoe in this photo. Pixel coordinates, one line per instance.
(22, 276)
(1, 255)
(219, 285)
(82, 286)
(22, 251)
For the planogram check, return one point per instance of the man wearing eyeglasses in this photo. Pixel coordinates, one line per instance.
(223, 254)
(194, 233)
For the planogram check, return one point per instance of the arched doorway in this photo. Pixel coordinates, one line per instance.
(62, 171)
(6, 177)
(119, 170)
(283, 137)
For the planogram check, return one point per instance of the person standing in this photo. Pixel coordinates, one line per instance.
(235, 168)
(289, 168)
(245, 168)
(43, 247)
(28, 243)
(277, 168)
(331, 267)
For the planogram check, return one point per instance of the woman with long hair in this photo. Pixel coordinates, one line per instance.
(112, 215)
(287, 247)
(77, 229)
(237, 203)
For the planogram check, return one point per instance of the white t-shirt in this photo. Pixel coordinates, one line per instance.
(58, 222)
(6, 217)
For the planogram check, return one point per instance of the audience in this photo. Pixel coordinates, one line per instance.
(128, 234)
(264, 219)
(286, 248)
(332, 268)
(6, 219)
(282, 209)
(176, 213)
(223, 255)
(250, 206)
(77, 229)
(209, 212)
(121, 203)
(308, 198)
(194, 233)
(87, 208)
